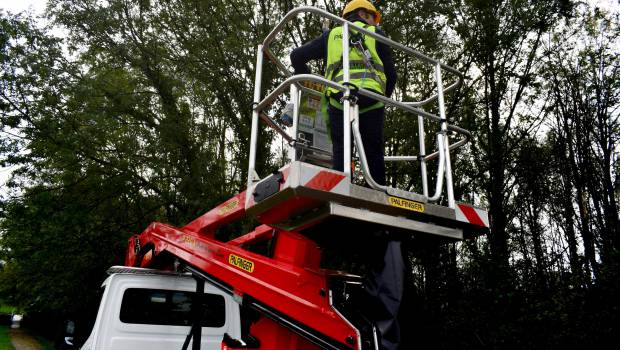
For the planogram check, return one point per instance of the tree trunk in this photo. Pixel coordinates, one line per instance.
(498, 236)
(569, 222)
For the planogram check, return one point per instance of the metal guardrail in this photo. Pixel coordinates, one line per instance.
(351, 111)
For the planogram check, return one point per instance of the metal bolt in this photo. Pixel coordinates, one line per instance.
(350, 340)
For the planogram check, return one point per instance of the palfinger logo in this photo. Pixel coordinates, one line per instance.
(241, 263)
(232, 205)
(406, 204)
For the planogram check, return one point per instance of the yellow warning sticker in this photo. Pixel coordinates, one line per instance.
(314, 86)
(228, 207)
(190, 241)
(239, 262)
(406, 204)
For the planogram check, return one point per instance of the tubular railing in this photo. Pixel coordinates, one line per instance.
(351, 110)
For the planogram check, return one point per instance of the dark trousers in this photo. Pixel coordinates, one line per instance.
(383, 285)
(371, 129)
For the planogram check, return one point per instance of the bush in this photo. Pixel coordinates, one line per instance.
(5, 319)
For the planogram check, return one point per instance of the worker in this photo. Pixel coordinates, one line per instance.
(371, 67)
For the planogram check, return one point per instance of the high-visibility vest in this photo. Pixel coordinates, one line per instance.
(359, 73)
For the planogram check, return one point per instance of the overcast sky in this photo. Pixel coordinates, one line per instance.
(20, 5)
(39, 5)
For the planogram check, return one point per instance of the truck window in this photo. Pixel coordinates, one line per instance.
(169, 307)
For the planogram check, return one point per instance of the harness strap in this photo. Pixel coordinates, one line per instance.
(362, 75)
(336, 67)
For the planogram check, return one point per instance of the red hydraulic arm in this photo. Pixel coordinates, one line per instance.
(289, 289)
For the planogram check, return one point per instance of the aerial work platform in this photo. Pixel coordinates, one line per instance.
(305, 206)
(301, 195)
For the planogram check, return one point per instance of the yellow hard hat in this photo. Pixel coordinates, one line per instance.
(354, 5)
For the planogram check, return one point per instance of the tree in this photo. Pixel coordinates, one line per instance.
(504, 40)
(583, 85)
(143, 114)
(138, 116)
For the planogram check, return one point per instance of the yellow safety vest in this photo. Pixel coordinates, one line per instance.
(360, 74)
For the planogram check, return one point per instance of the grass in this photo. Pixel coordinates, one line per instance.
(5, 343)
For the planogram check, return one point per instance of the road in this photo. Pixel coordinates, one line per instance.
(23, 341)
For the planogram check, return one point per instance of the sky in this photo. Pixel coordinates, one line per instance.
(21, 5)
(15, 6)
(38, 6)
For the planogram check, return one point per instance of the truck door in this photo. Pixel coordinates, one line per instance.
(159, 317)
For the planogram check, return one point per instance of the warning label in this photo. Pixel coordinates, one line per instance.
(406, 204)
(228, 207)
(243, 264)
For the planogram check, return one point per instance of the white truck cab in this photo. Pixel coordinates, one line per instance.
(144, 309)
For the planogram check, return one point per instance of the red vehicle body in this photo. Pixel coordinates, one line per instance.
(292, 294)
(289, 287)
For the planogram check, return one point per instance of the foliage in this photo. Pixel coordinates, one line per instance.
(6, 309)
(142, 113)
